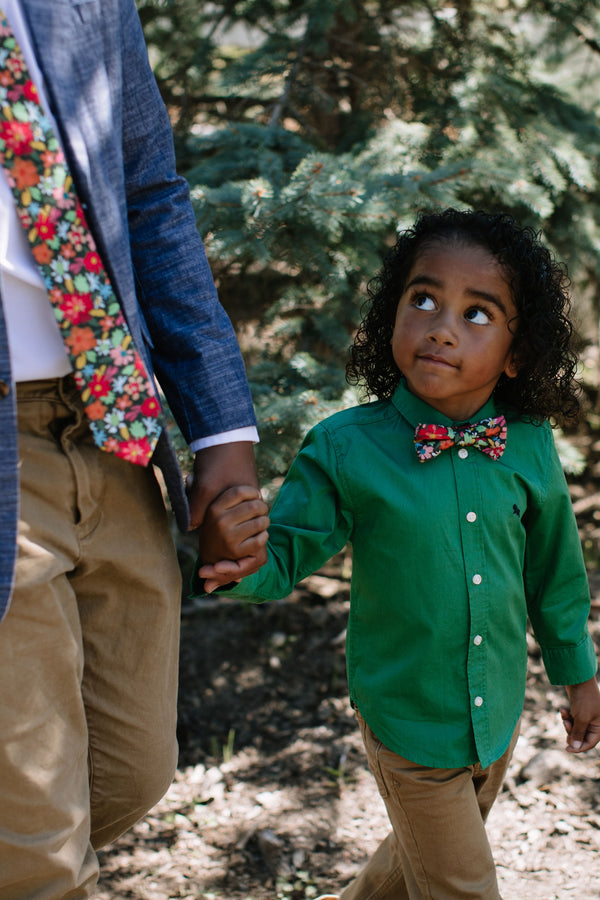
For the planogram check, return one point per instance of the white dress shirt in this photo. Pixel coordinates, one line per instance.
(36, 347)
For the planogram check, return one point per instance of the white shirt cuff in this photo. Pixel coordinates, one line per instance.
(248, 433)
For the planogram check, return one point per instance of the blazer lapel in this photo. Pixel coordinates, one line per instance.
(68, 49)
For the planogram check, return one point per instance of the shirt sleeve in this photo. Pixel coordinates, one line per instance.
(249, 434)
(310, 522)
(556, 584)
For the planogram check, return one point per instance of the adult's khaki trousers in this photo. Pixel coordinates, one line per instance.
(438, 849)
(88, 653)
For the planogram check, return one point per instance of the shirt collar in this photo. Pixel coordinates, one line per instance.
(416, 411)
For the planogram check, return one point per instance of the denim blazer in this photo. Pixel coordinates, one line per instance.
(117, 138)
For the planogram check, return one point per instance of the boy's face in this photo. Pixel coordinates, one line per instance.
(451, 338)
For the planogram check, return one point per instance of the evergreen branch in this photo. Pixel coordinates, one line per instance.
(392, 182)
(241, 100)
(592, 43)
(555, 11)
(290, 78)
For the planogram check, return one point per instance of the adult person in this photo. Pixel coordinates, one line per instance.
(89, 582)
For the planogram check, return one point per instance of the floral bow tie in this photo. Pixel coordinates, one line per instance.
(489, 436)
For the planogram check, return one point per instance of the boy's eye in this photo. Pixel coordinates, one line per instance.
(424, 301)
(478, 315)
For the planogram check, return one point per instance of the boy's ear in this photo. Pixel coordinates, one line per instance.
(512, 365)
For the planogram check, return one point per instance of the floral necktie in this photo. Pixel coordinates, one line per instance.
(489, 436)
(117, 394)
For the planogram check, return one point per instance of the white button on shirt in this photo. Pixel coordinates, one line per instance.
(477, 640)
(463, 453)
(477, 579)
(471, 517)
(478, 701)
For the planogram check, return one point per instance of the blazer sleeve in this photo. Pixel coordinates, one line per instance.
(193, 345)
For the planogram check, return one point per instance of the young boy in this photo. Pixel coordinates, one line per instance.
(451, 493)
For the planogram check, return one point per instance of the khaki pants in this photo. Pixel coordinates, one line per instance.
(88, 653)
(438, 849)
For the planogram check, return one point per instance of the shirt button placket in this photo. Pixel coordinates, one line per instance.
(471, 527)
(477, 640)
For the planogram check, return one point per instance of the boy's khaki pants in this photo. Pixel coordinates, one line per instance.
(438, 849)
(88, 653)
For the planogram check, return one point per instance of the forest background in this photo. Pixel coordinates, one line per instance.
(310, 131)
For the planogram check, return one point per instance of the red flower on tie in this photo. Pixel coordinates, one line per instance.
(30, 91)
(150, 407)
(77, 307)
(17, 136)
(92, 262)
(79, 213)
(45, 227)
(134, 451)
(99, 385)
(435, 432)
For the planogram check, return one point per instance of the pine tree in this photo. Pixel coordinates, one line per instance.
(311, 130)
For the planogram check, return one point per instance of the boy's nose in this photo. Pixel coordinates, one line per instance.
(442, 331)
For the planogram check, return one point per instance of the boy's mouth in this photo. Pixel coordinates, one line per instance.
(436, 360)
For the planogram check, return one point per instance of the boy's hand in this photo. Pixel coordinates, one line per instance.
(224, 572)
(582, 719)
(233, 536)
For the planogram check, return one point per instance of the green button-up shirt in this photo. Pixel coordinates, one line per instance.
(449, 557)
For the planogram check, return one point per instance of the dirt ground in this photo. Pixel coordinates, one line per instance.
(273, 800)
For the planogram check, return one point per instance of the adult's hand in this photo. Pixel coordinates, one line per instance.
(234, 532)
(216, 469)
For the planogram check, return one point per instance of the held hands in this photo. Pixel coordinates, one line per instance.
(233, 536)
(217, 469)
(581, 719)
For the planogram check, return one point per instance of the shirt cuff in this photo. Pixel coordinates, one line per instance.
(570, 665)
(248, 433)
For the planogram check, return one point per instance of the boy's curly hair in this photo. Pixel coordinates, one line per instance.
(545, 385)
